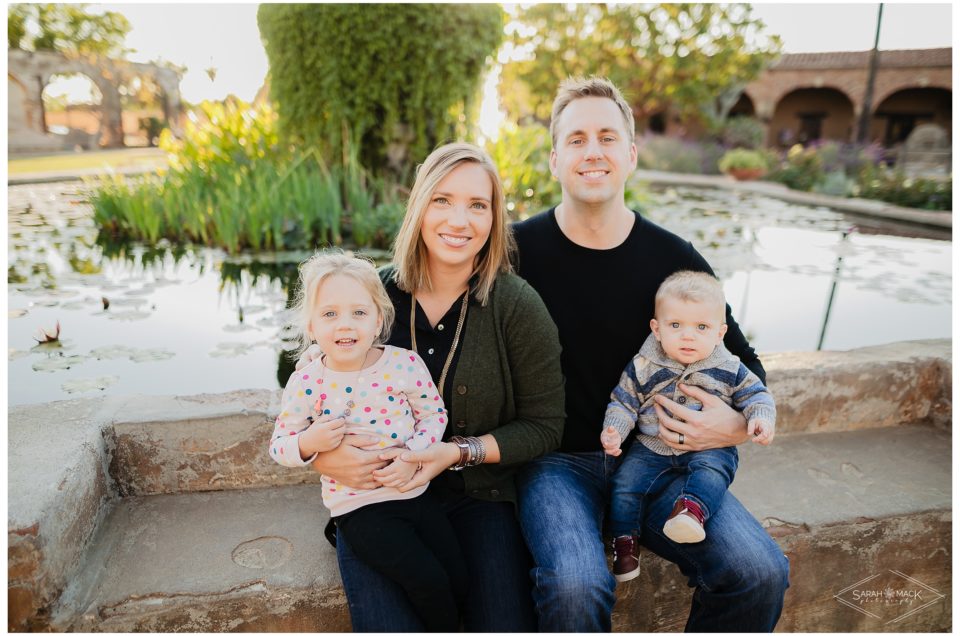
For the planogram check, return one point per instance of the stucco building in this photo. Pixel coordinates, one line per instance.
(808, 96)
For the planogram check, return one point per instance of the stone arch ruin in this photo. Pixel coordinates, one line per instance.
(28, 72)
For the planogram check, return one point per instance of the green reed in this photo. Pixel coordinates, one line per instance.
(231, 185)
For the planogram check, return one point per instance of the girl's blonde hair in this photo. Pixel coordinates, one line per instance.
(409, 251)
(322, 266)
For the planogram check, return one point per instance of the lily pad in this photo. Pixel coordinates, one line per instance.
(112, 352)
(16, 313)
(58, 363)
(16, 354)
(231, 349)
(46, 302)
(239, 327)
(151, 355)
(88, 384)
(129, 315)
(128, 302)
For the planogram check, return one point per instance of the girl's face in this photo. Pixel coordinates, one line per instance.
(457, 222)
(345, 322)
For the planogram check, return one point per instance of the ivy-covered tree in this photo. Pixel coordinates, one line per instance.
(391, 80)
(687, 57)
(71, 29)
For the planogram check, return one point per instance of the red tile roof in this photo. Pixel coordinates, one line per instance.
(860, 59)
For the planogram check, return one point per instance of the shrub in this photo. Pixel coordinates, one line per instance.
(742, 132)
(522, 155)
(801, 169)
(877, 182)
(406, 77)
(232, 184)
(742, 159)
(670, 154)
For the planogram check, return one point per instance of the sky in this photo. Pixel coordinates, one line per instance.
(225, 36)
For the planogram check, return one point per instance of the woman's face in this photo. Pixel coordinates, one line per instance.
(457, 222)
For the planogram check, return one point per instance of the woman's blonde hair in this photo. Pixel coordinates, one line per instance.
(322, 266)
(410, 252)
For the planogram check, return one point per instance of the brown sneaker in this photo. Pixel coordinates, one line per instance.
(685, 523)
(626, 558)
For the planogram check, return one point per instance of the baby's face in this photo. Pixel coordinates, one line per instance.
(688, 331)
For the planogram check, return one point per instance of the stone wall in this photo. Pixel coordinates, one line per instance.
(71, 462)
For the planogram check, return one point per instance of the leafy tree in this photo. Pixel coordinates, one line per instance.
(689, 58)
(392, 80)
(67, 28)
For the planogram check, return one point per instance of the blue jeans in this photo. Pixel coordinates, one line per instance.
(739, 572)
(643, 474)
(498, 565)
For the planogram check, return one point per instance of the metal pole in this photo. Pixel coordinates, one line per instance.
(863, 130)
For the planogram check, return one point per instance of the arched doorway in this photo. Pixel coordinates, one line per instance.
(898, 114)
(743, 107)
(805, 115)
(144, 110)
(72, 109)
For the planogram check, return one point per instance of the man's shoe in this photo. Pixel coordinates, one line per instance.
(626, 558)
(685, 523)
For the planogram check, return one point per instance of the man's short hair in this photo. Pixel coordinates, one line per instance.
(690, 286)
(576, 87)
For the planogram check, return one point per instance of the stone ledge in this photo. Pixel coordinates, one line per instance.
(68, 460)
(238, 561)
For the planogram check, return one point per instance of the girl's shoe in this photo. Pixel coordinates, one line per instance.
(685, 523)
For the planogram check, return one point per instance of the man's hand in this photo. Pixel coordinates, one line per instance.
(350, 464)
(716, 426)
(760, 431)
(610, 440)
(397, 472)
(312, 353)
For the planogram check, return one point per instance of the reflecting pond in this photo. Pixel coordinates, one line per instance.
(173, 320)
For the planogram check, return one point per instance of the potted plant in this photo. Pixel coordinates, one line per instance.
(743, 164)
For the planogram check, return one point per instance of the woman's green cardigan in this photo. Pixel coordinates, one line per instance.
(507, 383)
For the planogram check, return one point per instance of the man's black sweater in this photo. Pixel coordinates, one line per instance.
(602, 302)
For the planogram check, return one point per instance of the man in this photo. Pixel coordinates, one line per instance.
(597, 266)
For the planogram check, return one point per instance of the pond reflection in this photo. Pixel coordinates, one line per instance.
(185, 320)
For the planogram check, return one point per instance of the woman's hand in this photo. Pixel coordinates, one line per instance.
(436, 458)
(397, 472)
(350, 464)
(312, 353)
(716, 426)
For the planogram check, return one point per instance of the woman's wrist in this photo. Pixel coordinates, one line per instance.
(472, 451)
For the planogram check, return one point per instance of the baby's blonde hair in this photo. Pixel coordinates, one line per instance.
(690, 286)
(322, 266)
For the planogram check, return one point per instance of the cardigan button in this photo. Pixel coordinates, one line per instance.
(494, 493)
(462, 389)
(682, 399)
(461, 424)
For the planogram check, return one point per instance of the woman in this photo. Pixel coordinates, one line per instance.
(493, 352)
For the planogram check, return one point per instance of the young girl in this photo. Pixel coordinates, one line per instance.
(359, 386)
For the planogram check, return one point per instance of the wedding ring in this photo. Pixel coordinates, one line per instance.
(680, 438)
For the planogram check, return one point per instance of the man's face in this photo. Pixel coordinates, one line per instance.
(594, 154)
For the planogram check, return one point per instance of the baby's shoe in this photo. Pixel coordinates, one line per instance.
(626, 558)
(685, 523)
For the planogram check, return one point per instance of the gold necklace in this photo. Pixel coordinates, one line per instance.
(456, 335)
